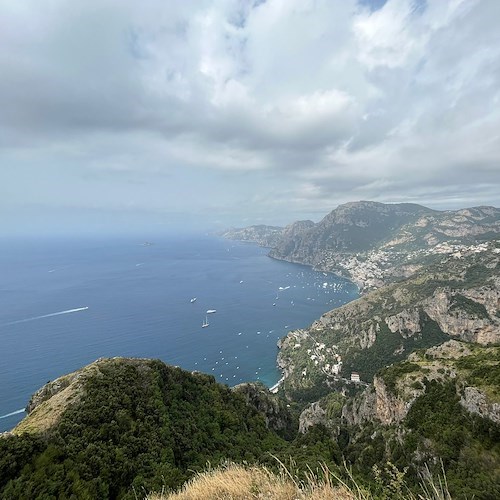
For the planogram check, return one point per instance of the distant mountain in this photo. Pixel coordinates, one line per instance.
(376, 243)
(353, 227)
(265, 236)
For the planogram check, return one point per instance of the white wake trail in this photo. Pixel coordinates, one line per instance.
(69, 311)
(17, 412)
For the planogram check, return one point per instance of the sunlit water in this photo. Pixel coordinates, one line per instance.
(64, 304)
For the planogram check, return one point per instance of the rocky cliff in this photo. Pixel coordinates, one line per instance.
(457, 297)
(474, 371)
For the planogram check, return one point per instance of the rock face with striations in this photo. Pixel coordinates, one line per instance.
(396, 388)
(475, 401)
(376, 403)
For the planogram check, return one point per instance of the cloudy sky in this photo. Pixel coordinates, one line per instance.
(244, 111)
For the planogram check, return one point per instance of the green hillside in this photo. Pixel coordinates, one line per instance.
(135, 424)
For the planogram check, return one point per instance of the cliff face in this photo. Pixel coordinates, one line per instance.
(314, 414)
(467, 314)
(473, 370)
(377, 403)
(474, 401)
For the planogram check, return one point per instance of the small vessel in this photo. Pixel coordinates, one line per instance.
(193, 300)
(205, 323)
(211, 311)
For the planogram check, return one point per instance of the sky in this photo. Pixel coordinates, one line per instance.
(211, 113)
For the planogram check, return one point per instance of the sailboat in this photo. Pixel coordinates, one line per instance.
(205, 323)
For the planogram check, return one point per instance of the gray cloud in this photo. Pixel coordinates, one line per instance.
(266, 108)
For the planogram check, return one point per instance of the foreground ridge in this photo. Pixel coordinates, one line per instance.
(241, 482)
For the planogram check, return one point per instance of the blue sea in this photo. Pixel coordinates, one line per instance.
(64, 303)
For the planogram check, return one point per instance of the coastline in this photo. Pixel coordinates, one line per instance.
(275, 388)
(160, 321)
(361, 290)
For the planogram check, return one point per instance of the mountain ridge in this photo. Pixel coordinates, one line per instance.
(374, 243)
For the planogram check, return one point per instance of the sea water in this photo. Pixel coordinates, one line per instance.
(64, 303)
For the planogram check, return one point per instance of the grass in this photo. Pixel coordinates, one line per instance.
(240, 482)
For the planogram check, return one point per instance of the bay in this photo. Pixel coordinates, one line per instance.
(66, 302)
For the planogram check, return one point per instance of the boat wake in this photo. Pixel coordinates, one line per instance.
(69, 311)
(17, 412)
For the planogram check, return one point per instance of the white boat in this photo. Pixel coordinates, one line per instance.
(205, 323)
(193, 300)
(211, 311)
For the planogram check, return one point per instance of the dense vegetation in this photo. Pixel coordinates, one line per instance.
(392, 373)
(470, 307)
(140, 426)
(468, 445)
(144, 426)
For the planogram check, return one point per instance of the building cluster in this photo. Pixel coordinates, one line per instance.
(372, 270)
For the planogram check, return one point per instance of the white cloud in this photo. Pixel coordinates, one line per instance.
(317, 101)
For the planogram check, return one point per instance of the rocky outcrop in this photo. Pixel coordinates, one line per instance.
(312, 415)
(376, 403)
(407, 323)
(466, 319)
(46, 392)
(389, 408)
(360, 409)
(449, 350)
(474, 401)
(449, 362)
(468, 314)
